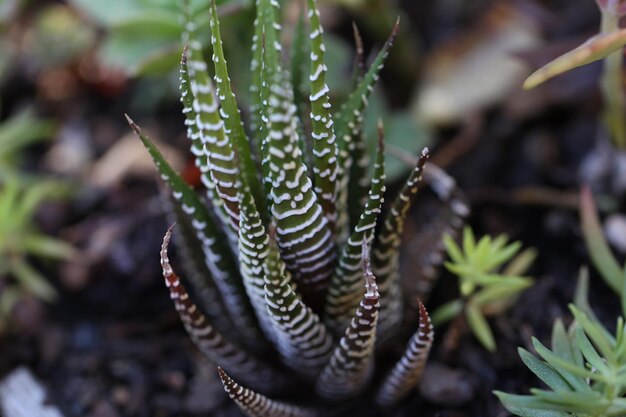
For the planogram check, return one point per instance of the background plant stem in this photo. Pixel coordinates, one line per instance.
(612, 86)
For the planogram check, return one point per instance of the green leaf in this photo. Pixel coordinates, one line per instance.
(598, 248)
(544, 371)
(564, 366)
(215, 346)
(149, 24)
(9, 296)
(22, 130)
(407, 372)
(159, 62)
(521, 263)
(469, 241)
(107, 12)
(386, 252)
(218, 257)
(303, 341)
(46, 246)
(348, 130)
(32, 281)
(454, 251)
(123, 51)
(480, 327)
(204, 119)
(600, 336)
(325, 150)
(447, 312)
(232, 116)
(590, 354)
(528, 406)
(507, 288)
(351, 363)
(594, 49)
(343, 293)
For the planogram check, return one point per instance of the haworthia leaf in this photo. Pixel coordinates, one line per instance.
(325, 150)
(256, 405)
(231, 114)
(359, 57)
(299, 68)
(218, 258)
(348, 130)
(446, 218)
(351, 364)
(255, 71)
(195, 267)
(303, 341)
(204, 335)
(386, 253)
(302, 230)
(300, 51)
(197, 145)
(408, 371)
(358, 183)
(217, 146)
(253, 251)
(343, 294)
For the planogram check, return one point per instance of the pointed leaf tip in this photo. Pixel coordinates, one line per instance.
(132, 124)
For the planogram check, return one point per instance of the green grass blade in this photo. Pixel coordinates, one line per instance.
(599, 251)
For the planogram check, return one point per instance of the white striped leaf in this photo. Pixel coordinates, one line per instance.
(343, 294)
(254, 404)
(351, 364)
(386, 253)
(205, 336)
(217, 255)
(407, 372)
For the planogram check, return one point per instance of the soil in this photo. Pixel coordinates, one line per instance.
(112, 345)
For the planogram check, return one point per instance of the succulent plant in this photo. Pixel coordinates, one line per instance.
(282, 292)
(490, 273)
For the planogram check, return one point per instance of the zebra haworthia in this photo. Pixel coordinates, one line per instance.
(287, 262)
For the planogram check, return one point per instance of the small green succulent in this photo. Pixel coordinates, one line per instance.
(293, 270)
(585, 371)
(20, 240)
(486, 285)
